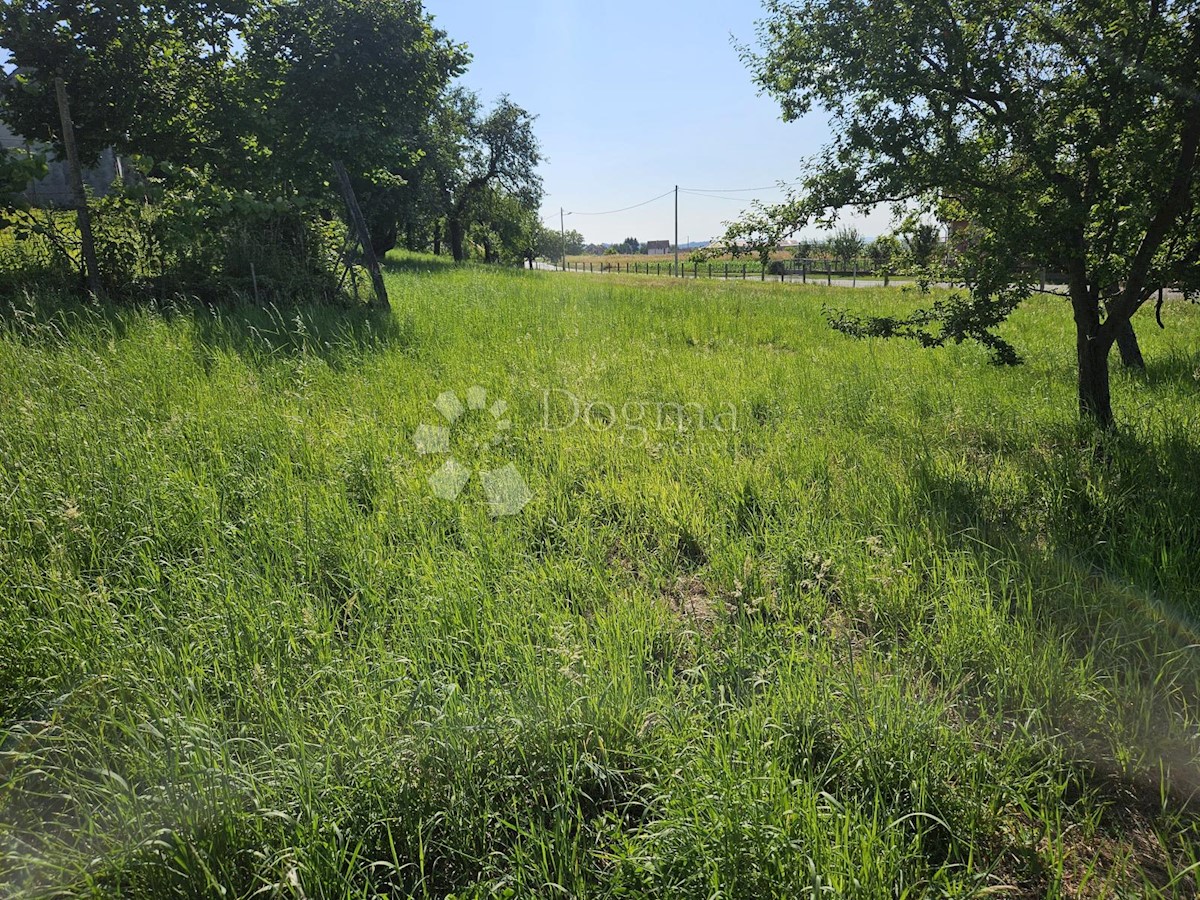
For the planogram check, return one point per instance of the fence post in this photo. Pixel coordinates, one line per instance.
(804, 271)
(854, 280)
(743, 271)
(829, 273)
(886, 277)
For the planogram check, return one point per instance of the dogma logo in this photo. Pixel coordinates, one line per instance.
(472, 433)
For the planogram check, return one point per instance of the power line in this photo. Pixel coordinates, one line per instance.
(779, 185)
(626, 209)
(717, 196)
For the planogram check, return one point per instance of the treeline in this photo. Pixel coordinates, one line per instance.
(229, 116)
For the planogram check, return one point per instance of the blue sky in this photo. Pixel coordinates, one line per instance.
(633, 99)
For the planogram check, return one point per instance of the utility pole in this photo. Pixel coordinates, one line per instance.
(676, 229)
(562, 234)
(82, 216)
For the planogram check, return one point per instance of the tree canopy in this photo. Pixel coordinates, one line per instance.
(1061, 134)
(234, 111)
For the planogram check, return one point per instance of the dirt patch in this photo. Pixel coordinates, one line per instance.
(1124, 858)
(690, 599)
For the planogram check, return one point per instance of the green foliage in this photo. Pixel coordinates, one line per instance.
(234, 112)
(897, 634)
(846, 245)
(353, 80)
(1058, 132)
(921, 242)
(953, 319)
(498, 155)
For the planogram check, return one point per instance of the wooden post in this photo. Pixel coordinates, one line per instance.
(82, 216)
(804, 271)
(359, 223)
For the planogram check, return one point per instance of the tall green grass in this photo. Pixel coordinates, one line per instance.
(901, 630)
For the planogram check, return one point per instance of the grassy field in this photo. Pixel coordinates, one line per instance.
(785, 614)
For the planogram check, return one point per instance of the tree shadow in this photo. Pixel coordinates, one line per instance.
(1111, 565)
(1175, 369)
(417, 264)
(338, 334)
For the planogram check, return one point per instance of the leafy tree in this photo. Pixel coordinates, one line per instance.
(883, 250)
(847, 244)
(1063, 131)
(355, 80)
(921, 241)
(146, 79)
(244, 127)
(555, 243)
(498, 152)
(629, 246)
(503, 227)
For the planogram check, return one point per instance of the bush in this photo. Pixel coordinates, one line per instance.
(200, 242)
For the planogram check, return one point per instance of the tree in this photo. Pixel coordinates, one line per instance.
(883, 250)
(498, 151)
(1063, 131)
(630, 246)
(921, 241)
(847, 244)
(258, 95)
(143, 78)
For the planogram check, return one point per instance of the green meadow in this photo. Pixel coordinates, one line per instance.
(784, 614)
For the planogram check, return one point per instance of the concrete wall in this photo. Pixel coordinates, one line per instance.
(55, 188)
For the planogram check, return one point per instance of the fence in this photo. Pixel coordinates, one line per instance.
(802, 271)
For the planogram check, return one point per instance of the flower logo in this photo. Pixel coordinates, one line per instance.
(505, 489)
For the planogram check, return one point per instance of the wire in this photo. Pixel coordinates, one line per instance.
(779, 185)
(626, 209)
(718, 197)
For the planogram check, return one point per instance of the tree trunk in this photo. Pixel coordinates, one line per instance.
(1095, 397)
(1127, 343)
(458, 235)
(384, 238)
(437, 238)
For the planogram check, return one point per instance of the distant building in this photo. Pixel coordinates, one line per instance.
(55, 188)
(658, 248)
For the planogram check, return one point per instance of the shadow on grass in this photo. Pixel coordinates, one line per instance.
(338, 334)
(1110, 544)
(1176, 369)
(401, 262)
